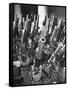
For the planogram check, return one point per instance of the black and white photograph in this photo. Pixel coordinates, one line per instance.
(37, 44)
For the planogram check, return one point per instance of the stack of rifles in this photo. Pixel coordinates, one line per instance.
(39, 50)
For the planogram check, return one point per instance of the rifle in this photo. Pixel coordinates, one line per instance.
(48, 68)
